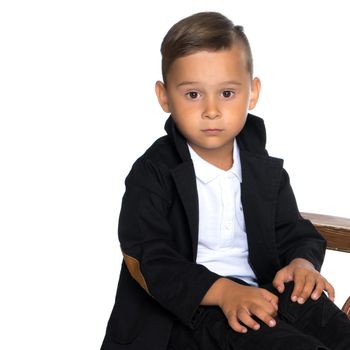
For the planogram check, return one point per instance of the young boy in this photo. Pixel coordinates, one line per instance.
(216, 254)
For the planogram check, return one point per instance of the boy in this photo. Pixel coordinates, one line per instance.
(216, 254)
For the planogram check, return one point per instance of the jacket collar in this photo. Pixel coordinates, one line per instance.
(177, 139)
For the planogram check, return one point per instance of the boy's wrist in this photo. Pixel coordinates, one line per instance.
(301, 262)
(215, 294)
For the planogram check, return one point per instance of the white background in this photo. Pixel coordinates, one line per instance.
(77, 107)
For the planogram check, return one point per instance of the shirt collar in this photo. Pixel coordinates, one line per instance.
(207, 172)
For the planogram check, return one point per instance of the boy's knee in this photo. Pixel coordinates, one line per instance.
(320, 310)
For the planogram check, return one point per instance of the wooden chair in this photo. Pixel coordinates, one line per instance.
(336, 231)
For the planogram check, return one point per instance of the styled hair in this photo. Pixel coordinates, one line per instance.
(203, 31)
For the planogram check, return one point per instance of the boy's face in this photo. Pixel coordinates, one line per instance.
(208, 95)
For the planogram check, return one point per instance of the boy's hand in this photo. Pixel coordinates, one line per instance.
(307, 281)
(240, 303)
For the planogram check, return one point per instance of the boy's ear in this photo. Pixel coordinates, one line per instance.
(162, 96)
(254, 93)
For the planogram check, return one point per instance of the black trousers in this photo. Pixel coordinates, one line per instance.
(314, 325)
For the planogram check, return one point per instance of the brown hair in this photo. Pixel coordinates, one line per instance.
(202, 31)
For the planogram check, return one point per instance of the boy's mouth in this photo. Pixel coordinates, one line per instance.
(212, 131)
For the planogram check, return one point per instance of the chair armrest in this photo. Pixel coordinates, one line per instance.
(334, 229)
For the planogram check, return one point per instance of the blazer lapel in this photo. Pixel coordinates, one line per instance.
(261, 175)
(185, 181)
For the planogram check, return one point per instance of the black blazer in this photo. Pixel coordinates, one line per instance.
(158, 231)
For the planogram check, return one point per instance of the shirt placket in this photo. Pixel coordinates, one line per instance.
(228, 210)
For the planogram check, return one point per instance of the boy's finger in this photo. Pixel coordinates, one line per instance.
(320, 287)
(282, 276)
(324, 286)
(246, 318)
(236, 326)
(308, 288)
(278, 283)
(330, 291)
(299, 283)
(271, 298)
(265, 316)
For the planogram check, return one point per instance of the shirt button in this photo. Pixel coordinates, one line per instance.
(228, 226)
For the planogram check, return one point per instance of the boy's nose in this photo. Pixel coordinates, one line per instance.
(211, 110)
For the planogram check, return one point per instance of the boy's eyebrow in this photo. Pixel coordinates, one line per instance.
(187, 83)
(228, 82)
(231, 82)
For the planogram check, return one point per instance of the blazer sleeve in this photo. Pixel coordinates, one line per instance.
(146, 239)
(296, 237)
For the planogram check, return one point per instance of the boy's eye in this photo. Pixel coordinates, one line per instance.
(227, 93)
(193, 95)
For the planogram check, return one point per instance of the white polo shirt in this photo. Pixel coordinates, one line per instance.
(222, 237)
